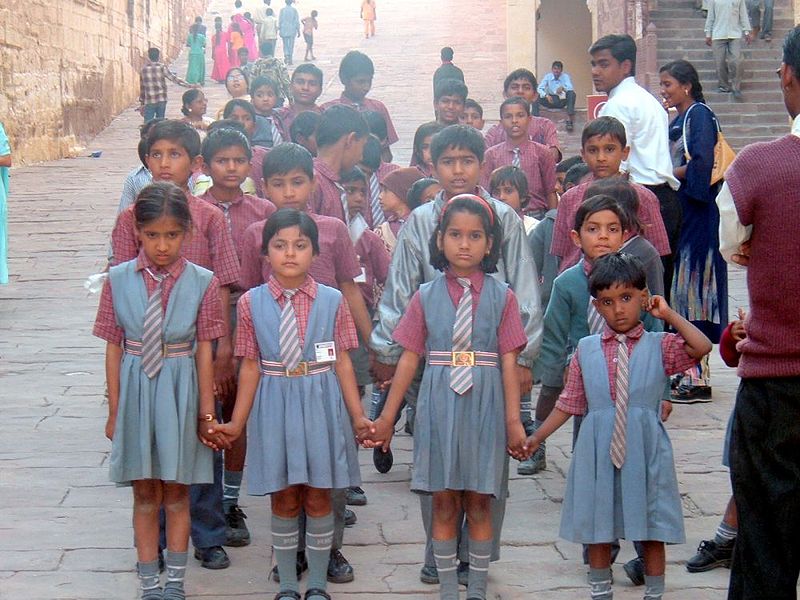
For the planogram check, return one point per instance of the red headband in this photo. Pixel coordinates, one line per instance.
(475, 198)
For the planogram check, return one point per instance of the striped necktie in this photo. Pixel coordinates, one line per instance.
(378, 218)
(516, 161)
(277, 138)
(152, 355)
(343, 198)
(594, 319)
(289, 337)
(461, 377)
(226, 210)
(621, 405)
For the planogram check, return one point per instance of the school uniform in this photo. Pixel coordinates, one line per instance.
(327, 197)
(638, 500)
(267, 133)
(240, 213)
(535, 160)
(372, 105)
(299, 432)
(257, 168)
(286, 116)
(155, 436)
(389, 230)
(374, 214)
(547, 264)
(460, 440)
(540, 130)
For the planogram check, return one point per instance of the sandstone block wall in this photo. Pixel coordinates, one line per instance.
(67, 67)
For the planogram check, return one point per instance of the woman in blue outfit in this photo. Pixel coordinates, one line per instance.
(700, 283)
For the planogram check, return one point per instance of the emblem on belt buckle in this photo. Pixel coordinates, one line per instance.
(462, 359)
(298, 371)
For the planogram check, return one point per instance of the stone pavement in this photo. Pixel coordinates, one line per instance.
(65, 530)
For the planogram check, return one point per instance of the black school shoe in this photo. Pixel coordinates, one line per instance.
(463, 573)
(301, 563)
(383, 461)
(350, 518)
(691, 394)
(236, 532)
(287, 594)
(634, 569)
(339, 570)
(711, 555)
(429, 574)
(213, 557)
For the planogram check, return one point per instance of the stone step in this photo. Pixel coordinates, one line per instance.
(690, 23)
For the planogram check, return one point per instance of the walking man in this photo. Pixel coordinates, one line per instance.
(289, 29)
(726, 22)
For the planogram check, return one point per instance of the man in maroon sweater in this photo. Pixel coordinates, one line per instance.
(759, 224)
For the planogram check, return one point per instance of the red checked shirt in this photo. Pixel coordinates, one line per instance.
(540, 130)
(649, 215)
(344, 330)
(673, 349)
(286, 116)
(373, 105)
(257, 167)
(242, 212)
(326, 199)
(374, 259)
(335, 263)
(536, 161)
(211, 245)
(411, 332)
(210, 325)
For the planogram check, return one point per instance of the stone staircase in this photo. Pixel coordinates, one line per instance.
(761, 115)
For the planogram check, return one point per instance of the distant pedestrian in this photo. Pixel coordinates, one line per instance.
(369, 15)
(236, 43)
(268, 33)
(194, 110)
(201, 29)
(5, 163)
(159, 373)
(309, 25)
(726, 23)
(556, 91)
(153, 86)
(765, 25)
(447, 70)
(219, 52)
(288, 29)
(196, 71)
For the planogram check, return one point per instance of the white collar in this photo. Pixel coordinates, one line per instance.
(796, 126)
(625, 83)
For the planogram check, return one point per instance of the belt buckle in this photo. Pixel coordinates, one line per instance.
(462, 359)
(164, 350)
(300, 370)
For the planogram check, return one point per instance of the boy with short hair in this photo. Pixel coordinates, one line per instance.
(153, 86)
(356, 72)
(521, 82)
(289, 183)
(473, 114)
(561, 171)
(306, 87)
(341, 135)
(604, 147)
(173, 152)
(375, 170)
(304, 130)
(447, 70)
(245, 64)
(534, 159)
(265, 96)
(457, 153)
(448, 101)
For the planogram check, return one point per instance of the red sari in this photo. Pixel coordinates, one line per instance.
(219, 51)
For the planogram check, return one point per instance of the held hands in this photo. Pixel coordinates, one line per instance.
(532, 444)
(218, 436)
(362, 427)
(380, 434)
(517, 442)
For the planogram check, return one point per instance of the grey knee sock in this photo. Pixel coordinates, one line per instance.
(176, 572)
(444, 553)
(285, 537)
(654, 587)
(319, 537)
(600, 584)
(149, 580)
(725, 533)
(479, 554)
(232, 482)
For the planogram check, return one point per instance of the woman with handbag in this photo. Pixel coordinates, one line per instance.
(700, 283)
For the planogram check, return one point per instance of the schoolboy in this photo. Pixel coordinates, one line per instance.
(533, 158)
(173, 152)
(139, 177)
(305, 87)
(304, 130)
(226, 159)
(448, 101)
(242, 111)
(289, 182)
(375, 169)
(199, 182)
(356, 72)
(603, 148)
(341, 135)
(509, 184)
(521, 82)
(264, 96)
(457, 153)
(245, 64)
(377, 127)
(561, 171)
(473, 114)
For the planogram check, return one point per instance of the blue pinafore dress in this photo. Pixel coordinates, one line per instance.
(156, 431)
(640, 501)
(460, 440)
(299, 430)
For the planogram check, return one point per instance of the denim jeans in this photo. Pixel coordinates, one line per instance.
(156, 110)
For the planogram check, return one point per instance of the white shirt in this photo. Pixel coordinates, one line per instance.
(646, 126)
(732, 233)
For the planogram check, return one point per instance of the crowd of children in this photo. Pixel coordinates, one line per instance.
(270, 271)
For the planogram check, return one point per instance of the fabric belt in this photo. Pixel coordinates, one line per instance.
(276, 369)
(167, 350)
(463, 359)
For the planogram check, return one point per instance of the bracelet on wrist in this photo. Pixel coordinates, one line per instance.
(207, 418)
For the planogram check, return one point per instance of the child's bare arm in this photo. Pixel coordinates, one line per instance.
(697, 344)
(113, 361)
(358, 308)
(383, 427)
(249, 376)
(555, 420)
(352, 400)
(514, 429)
(205, 382)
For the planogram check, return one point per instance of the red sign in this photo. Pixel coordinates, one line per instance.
(594, 103)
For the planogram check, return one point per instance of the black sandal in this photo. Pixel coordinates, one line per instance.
(287, 594)
(316, 592)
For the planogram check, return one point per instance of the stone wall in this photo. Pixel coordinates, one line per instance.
(67, 67)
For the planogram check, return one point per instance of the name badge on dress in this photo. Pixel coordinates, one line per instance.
(362, 277)
(325, 351)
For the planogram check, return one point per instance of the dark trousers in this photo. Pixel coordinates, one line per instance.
(270, 47)
(157, 110)
(765, 473)
(556, 102)
(672, 215)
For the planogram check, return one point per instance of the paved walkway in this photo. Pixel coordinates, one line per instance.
(65, 531)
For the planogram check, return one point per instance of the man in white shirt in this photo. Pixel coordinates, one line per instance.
(556, 91)
(646, 125)
(726, 22)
